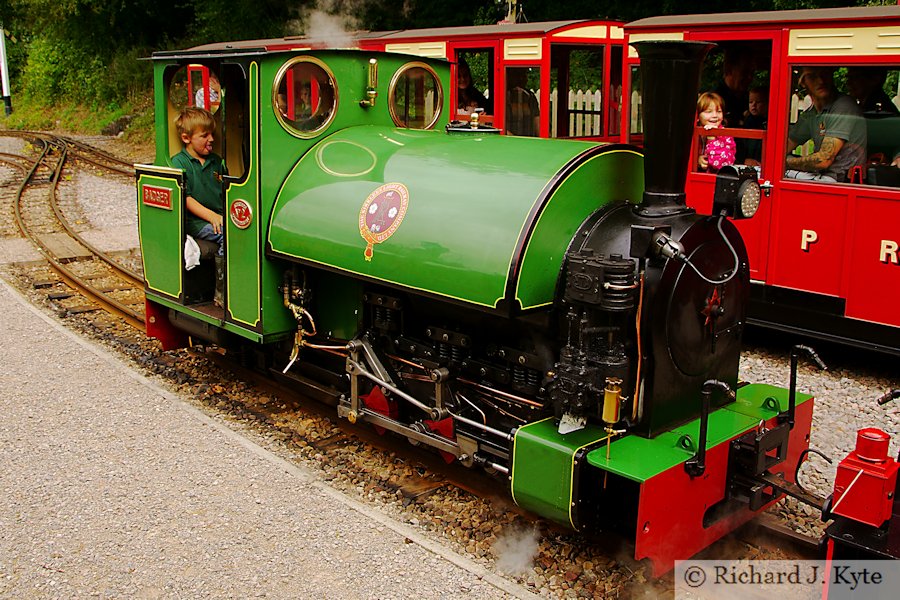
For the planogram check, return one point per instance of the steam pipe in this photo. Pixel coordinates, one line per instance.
(792, 392)
(670, 80)
(697, 465)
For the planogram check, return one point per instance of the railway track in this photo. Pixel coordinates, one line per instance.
(416, 479)
(85, 268)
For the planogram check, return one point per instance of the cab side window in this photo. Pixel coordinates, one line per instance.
(415, 96)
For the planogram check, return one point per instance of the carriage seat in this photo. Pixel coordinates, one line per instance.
(883, 175)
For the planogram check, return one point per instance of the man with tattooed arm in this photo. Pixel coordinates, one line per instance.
(835, 124)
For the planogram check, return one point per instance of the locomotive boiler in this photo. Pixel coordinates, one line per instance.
(548, 310)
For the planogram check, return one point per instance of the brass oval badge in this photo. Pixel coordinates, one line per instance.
(381, 214)
(241, 214)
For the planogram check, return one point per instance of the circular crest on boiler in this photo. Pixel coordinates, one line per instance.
(381, 214)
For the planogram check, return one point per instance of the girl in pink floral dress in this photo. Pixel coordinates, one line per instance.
(715, 151)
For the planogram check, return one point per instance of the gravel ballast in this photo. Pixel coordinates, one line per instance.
(115, 488)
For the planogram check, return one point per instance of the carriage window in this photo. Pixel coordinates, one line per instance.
(415, 97)
(522, 109)
(735, 94)
(635, 110)
(576, 91)
(474, 81)
(304, 98)
(615, 89)
(859, 132)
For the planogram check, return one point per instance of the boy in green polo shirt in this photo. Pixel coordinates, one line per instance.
(203, 172)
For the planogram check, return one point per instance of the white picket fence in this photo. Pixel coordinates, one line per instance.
(580, 123)
(587, 121)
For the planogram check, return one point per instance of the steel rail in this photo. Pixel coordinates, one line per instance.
(133, 318)
(113, 163)
(132, 276)
(117, 164)
(124, 271)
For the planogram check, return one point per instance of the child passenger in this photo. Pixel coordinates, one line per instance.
(757, 118)
(203, 172)
(715, 151)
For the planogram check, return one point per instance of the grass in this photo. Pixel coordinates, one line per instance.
(86, 120)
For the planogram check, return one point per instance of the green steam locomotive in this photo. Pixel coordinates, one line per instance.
(548, 310)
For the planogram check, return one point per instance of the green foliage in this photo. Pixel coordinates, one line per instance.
(586, 69)
(242, 19)
(57, 71)
(84, 52)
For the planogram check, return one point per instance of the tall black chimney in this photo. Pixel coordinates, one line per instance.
(670, 80)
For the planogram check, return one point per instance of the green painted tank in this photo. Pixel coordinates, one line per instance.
(478, 218)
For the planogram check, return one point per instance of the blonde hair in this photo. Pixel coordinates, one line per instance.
(193, 118)
(707, 98)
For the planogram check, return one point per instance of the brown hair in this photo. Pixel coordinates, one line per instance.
(193, 118)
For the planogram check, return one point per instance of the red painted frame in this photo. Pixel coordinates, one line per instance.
(466, 38)
(854, 223)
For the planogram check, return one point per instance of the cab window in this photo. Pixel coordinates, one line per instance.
(415, 96)
(305, 97)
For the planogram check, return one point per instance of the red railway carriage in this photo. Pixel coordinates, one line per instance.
(824, 256)
(573, 69)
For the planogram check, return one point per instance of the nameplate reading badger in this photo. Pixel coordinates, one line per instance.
(381, 214)
(156, 196)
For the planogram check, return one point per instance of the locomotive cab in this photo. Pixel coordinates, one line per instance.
(272, 107)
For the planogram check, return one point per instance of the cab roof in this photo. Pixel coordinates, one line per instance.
(352, 39)
(818, 16)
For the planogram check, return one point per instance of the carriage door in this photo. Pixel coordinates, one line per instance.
(753, 62)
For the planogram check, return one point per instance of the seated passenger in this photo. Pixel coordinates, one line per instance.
(866, 86)
(737, 74)
(200, 99)
(203, 172)
(468, 98)
(835, 125)
(282, 104)
(757, 118)
(304, 103)
(522, 111)
(715, 151)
